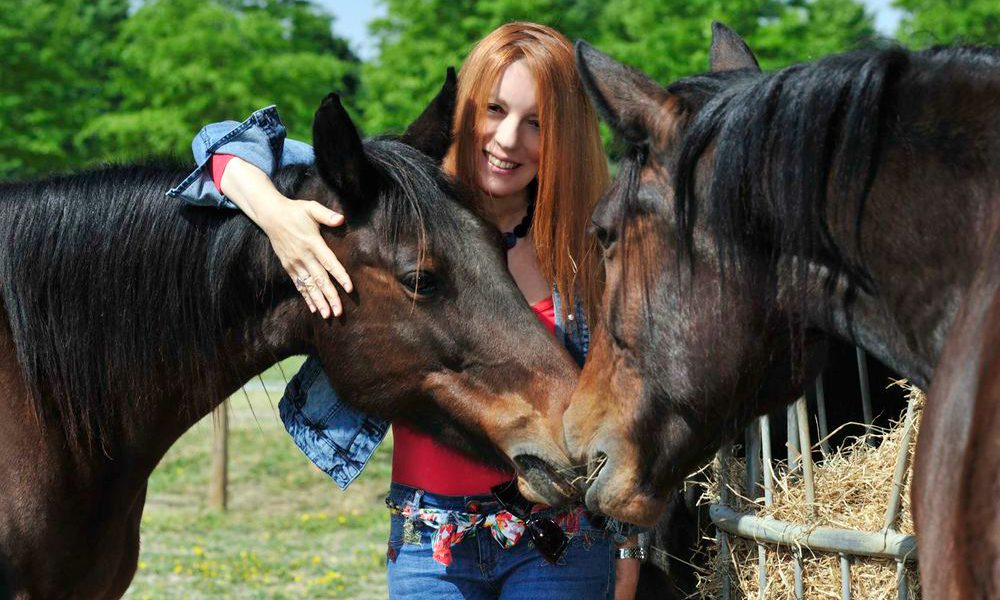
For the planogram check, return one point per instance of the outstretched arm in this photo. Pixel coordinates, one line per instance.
(293, 227)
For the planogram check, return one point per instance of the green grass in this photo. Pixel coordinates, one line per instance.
(289, 531)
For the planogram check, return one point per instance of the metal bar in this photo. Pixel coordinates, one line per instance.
(902, 465)
(792, 429)
(902, 587)
(866, 399)
(765, 447)
(886, 544)
(764, 441)
(845, 577)
(724, 557)
(824, 428)
(805, 448)
(800, 591)
(752, 437)
(761, 571)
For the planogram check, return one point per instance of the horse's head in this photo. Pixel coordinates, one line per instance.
(456, 350)
(685, 352)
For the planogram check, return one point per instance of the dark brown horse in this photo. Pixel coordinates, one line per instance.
(127, 318)
(858, 197)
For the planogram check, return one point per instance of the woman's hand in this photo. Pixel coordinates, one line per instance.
(293, 227)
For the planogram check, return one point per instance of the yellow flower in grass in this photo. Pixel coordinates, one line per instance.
(142, 565)
(316, 560)
(327, 577)
(198, 550)
(341, 519)
(178, 569)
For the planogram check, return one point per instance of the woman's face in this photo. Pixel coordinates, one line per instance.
(510, 133)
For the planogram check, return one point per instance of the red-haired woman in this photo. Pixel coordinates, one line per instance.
(526, 140)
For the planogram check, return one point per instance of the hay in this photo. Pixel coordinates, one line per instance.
(852, 490)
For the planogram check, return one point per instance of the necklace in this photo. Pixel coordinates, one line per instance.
(510, 237)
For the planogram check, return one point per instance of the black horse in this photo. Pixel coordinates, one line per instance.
(128, 317)
(858, 196)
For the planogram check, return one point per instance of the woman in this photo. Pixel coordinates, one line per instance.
(525, 138)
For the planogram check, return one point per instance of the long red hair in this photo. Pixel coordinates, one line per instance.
(572, 169)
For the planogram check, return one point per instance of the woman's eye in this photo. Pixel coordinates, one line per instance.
(534, 123)
(420, 283)
(494, 108)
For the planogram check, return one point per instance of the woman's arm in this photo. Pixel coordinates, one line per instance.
(626, 571)
(293, 227)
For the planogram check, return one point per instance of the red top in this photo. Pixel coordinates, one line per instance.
(419, 461)
(218, 167)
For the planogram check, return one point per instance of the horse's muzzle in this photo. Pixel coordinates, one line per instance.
(544, 482)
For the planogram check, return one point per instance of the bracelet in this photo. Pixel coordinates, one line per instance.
(637, 552)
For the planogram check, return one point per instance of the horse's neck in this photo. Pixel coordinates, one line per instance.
(926, 239)
(265, 335)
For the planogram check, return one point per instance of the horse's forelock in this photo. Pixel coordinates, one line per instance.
(415, 197)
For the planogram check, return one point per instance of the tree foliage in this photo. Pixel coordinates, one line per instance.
(53, 71)
(671, 39)
(86, 81)
(184, 63)
(933, 22)
(419, 39)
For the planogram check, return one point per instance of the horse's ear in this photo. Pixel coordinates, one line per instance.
(340, 158)
(431, 132)
(633, 104)
(729, 52)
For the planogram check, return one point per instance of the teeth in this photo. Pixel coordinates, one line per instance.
(502, 164)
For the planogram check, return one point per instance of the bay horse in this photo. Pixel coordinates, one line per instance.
(856, 197)
(127, 318)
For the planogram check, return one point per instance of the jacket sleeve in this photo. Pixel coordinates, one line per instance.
(336, 437)
(260, 140)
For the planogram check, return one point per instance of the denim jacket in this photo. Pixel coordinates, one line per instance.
(335, 436)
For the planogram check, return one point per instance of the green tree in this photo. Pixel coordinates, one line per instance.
(53, 72)
(419, 39)
(931, 22)
(183, 63)
(671, 39)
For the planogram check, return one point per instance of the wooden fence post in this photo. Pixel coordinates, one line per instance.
(217, 492)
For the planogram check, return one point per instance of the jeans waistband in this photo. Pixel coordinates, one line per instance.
(400, 495)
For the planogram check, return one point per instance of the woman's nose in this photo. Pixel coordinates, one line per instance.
(506, 135)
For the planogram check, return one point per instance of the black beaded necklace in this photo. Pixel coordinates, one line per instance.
(521, 229)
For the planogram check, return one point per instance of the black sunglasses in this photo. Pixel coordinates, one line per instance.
(548, 537)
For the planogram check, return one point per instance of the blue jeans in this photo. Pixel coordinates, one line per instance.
(482, 569)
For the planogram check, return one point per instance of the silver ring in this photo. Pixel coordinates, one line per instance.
(303, 281)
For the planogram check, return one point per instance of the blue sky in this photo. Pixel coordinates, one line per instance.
(353, 17)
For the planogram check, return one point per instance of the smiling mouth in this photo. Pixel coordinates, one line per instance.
(500, 164)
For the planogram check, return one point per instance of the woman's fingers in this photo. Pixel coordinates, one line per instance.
(331, 264)
(302, 281)
(319, 290)
(324, 215)
(308, 260)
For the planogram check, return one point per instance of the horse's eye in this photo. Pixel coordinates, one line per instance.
(422, 284)
(605, 237)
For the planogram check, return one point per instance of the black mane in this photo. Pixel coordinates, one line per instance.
(109, 286)
(796, 153)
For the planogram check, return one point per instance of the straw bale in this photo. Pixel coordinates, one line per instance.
(852, 490)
